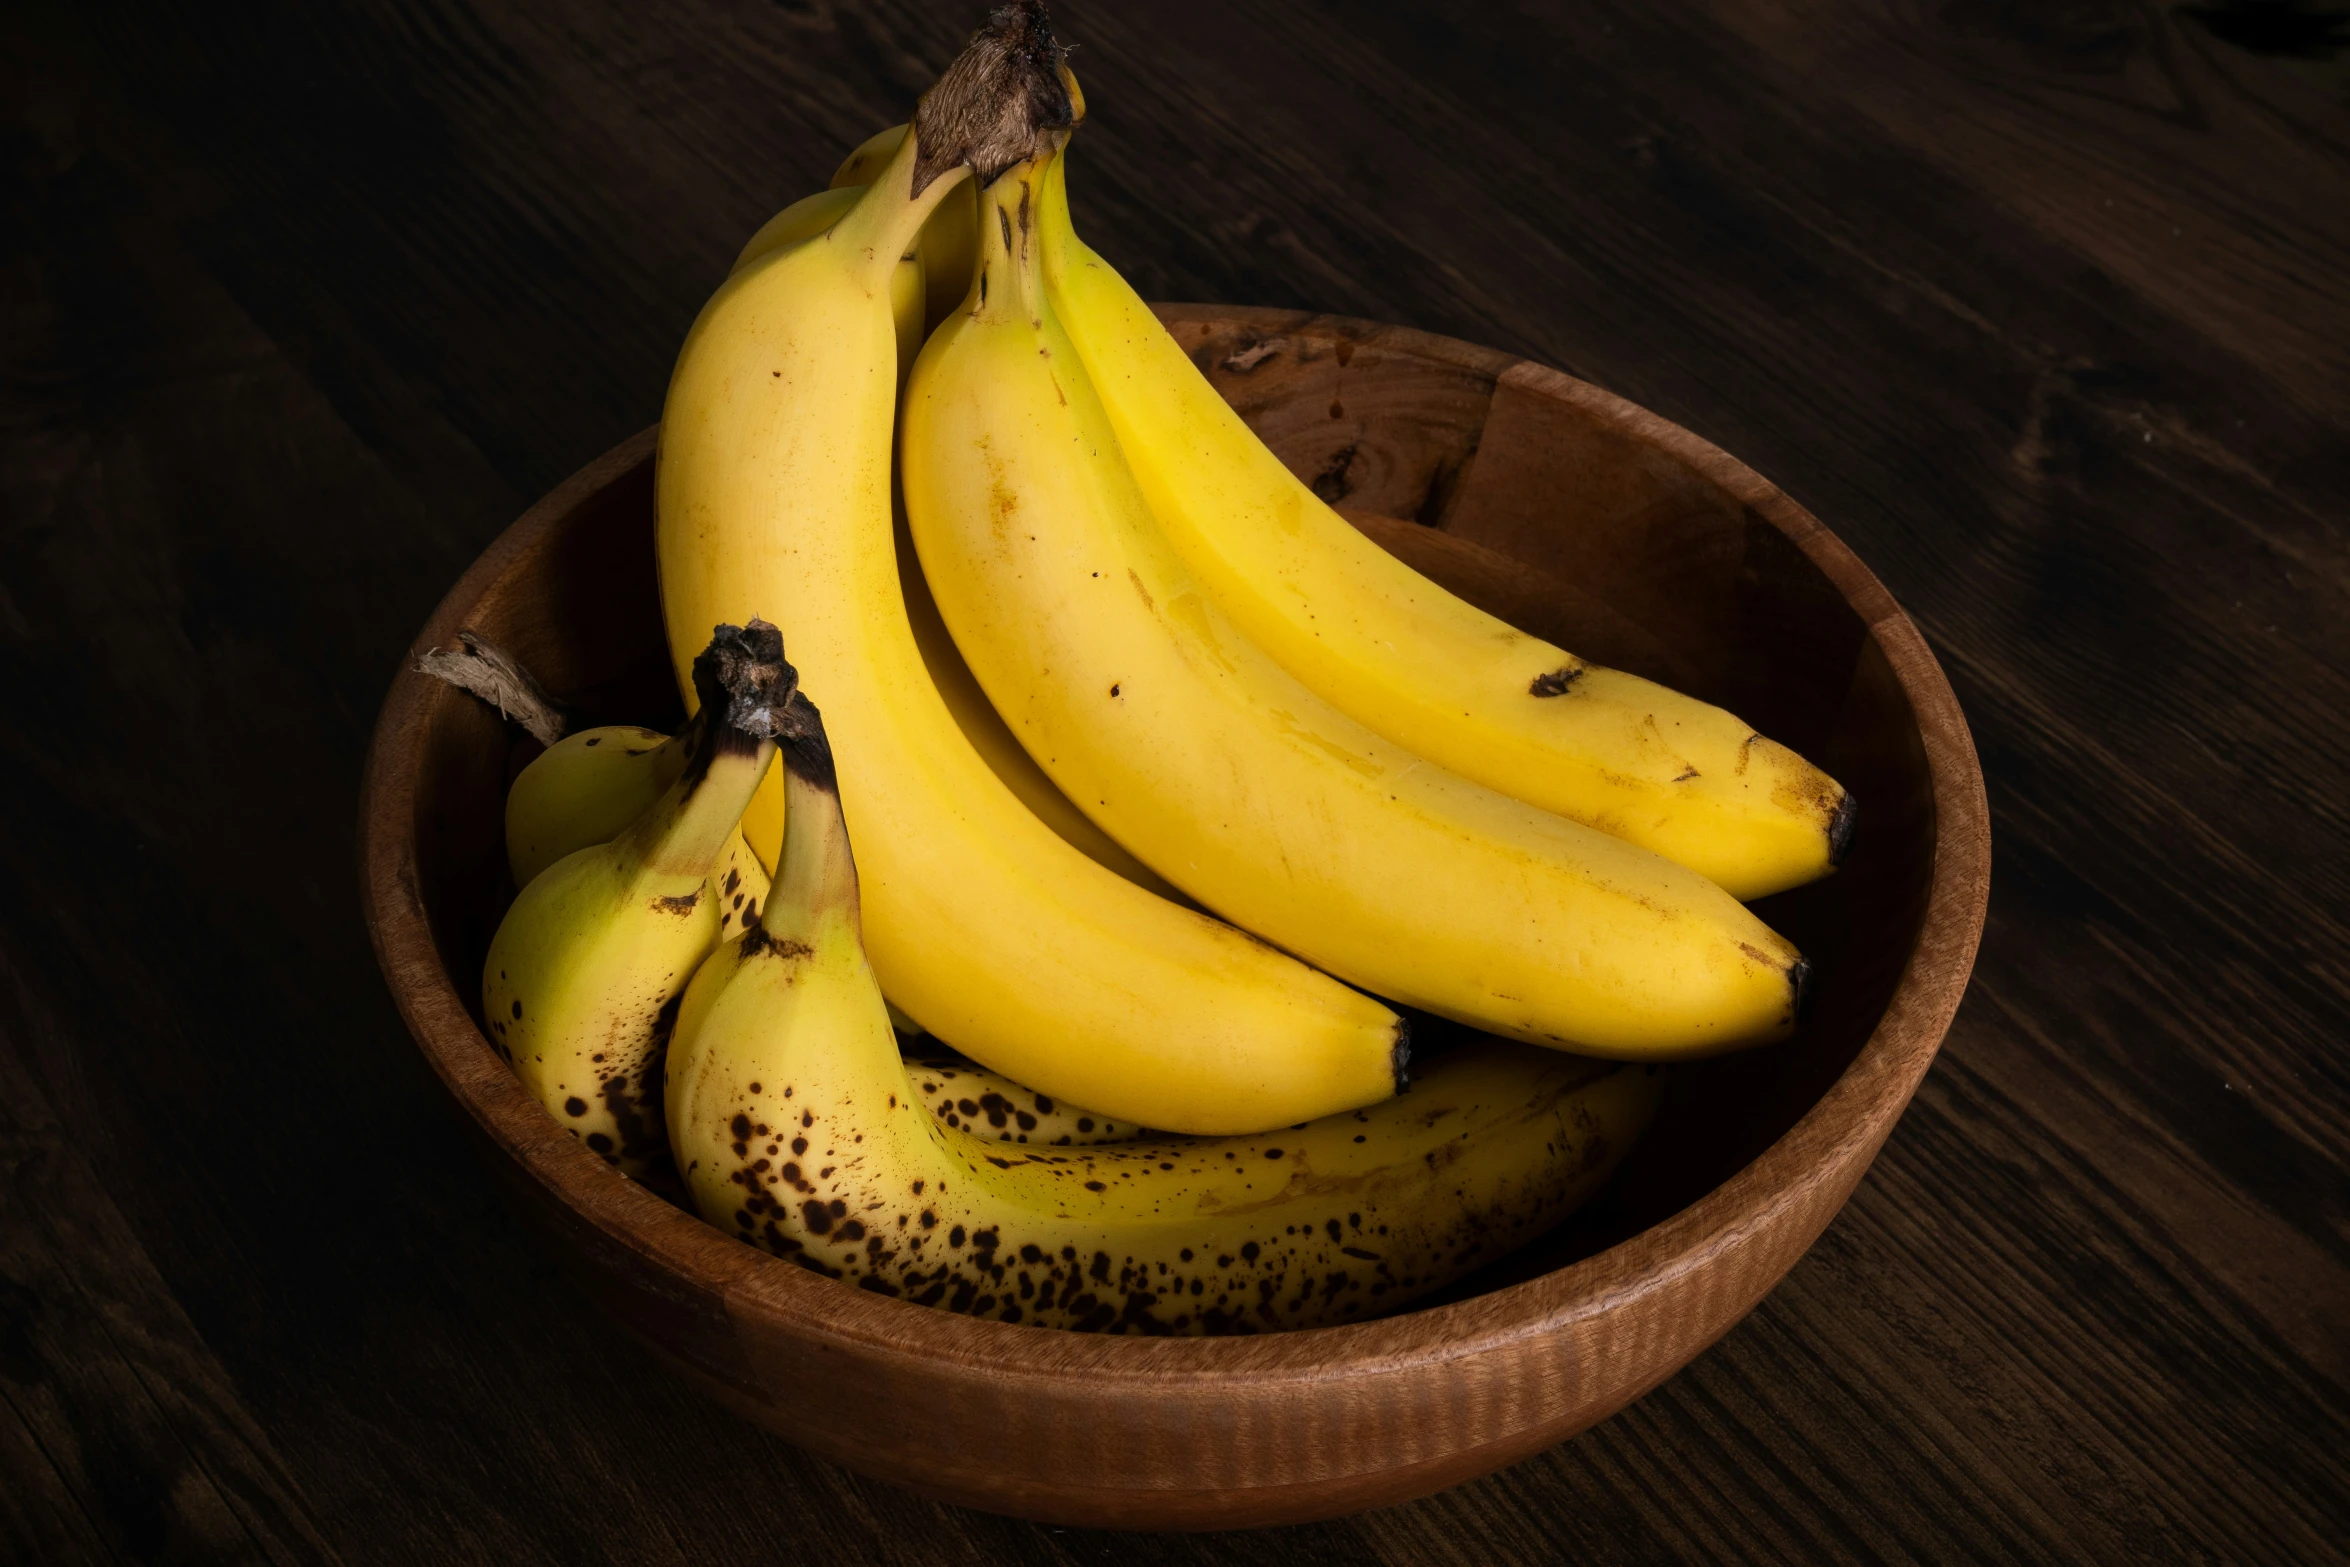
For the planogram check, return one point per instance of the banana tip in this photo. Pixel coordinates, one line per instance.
(807, 750)
(1842, 826)
(1799, 988)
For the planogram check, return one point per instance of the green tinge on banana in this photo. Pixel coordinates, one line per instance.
(585, 969)
(798, 1127)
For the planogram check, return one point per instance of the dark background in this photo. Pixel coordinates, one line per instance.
(2045, 307)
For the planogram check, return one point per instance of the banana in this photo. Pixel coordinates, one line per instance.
(1406, 659)
(1219, 770)
(984, 727)
(773, 492)
(949, 240)
(965, 1095)
(739, 885)
(869, 157)
(585, 788)
(585, 968)
(812, 215)
(588, 786)
(798, 1128)
(804, 220)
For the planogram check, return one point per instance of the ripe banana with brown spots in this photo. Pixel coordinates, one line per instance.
(968, 1097)
(584, 971)
(587, 787)
(799, 1128)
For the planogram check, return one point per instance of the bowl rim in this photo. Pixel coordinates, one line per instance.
(1832, 1141)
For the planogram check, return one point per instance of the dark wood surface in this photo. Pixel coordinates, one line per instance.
(2045, 309)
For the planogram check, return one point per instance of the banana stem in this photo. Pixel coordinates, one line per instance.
(1057, 241)
(1003, 101)
(681, 834)
(817, 879)
(491, 673)
(880, 229)
(1011, 273)
(744, 684)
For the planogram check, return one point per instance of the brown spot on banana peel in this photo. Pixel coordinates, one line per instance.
(757, 943)
(1323, 1266)
(1557, 681)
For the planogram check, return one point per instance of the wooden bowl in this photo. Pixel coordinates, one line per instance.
(1565, 510)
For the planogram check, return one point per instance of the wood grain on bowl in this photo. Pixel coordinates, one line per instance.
(1548, 501)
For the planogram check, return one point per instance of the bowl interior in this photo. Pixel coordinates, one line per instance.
(1566, 516)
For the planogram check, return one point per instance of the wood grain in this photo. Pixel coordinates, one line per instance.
(107, 1387)
(303, 306)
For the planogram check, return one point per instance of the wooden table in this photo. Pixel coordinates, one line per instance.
(2046, 309)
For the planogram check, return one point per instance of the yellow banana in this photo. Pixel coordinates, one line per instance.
(949, 240)
(798, 1128)
(588, 786)
(585, 788)
(869, 157)
(804, 220)
(1219, 770)
(984, 727)
(582, 974)
(965, 1095)
(773, 492)
(812, 215)
(1406, 659)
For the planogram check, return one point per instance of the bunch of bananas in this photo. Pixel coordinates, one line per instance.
(1164, 783)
